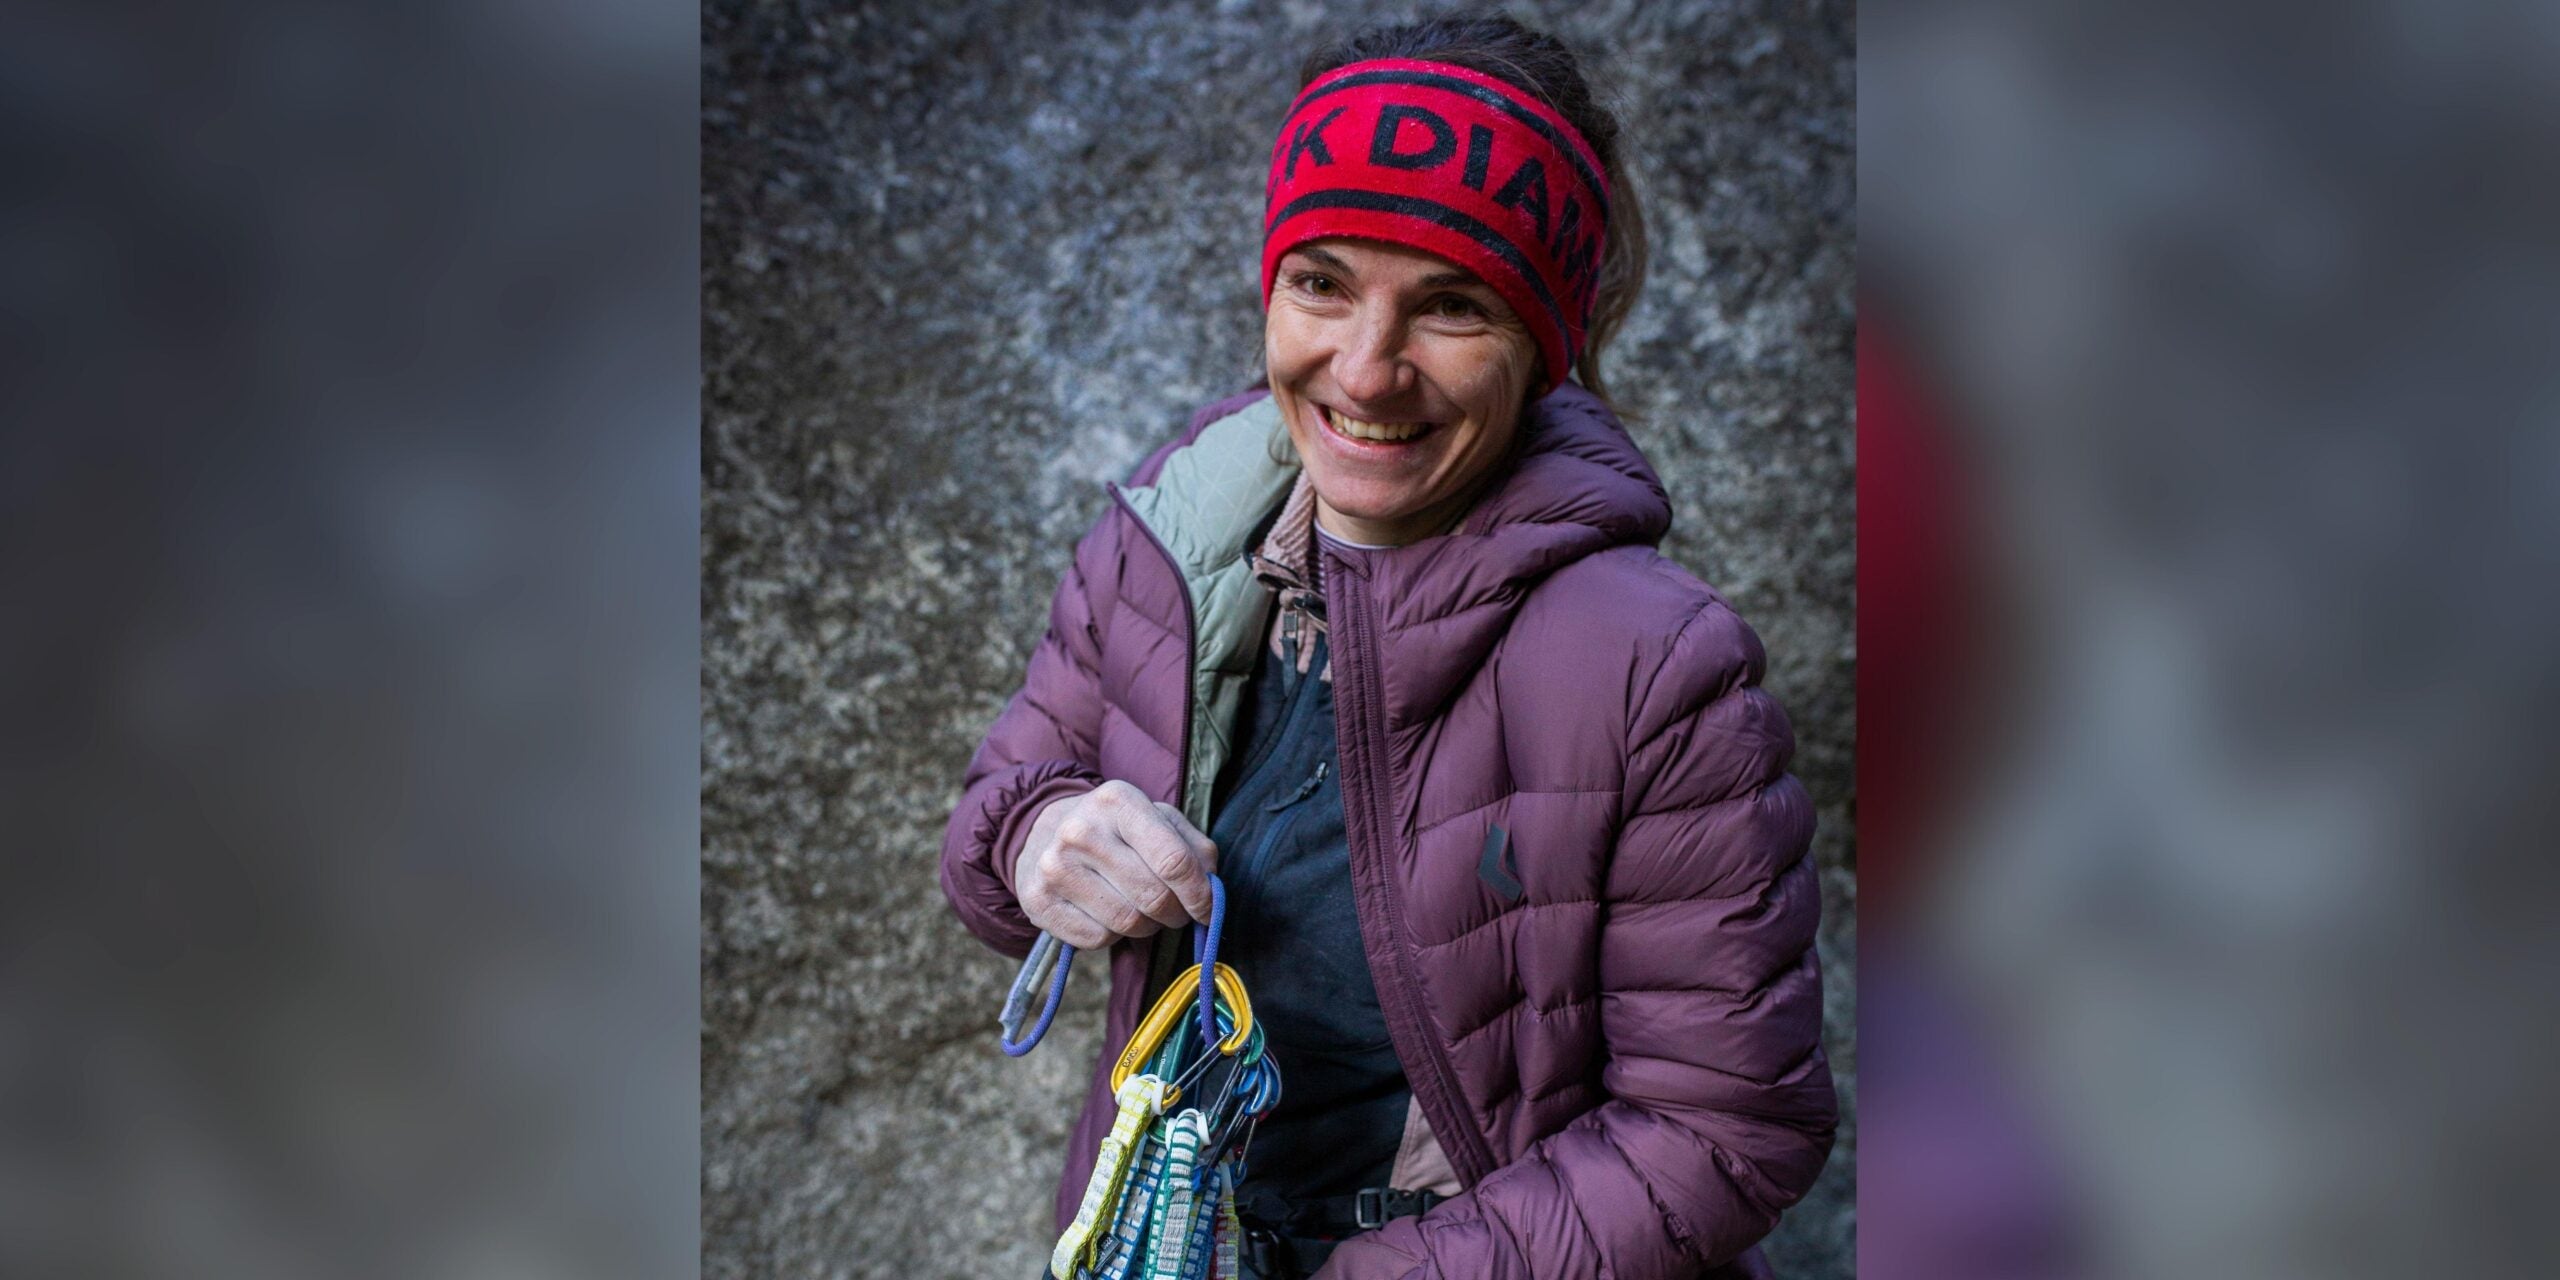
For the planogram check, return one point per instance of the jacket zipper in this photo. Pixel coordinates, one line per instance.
(1305, 789)
(1381, 907)
(1242, 878)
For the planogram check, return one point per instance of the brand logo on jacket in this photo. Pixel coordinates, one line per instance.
(1496, 869)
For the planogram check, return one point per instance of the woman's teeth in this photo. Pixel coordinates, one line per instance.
(1359, 430)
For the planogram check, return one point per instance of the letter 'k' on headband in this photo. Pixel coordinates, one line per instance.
(1453, 162)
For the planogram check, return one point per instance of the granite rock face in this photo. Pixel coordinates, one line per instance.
(963, 262)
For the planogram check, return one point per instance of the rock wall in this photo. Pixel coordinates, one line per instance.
(961, 263)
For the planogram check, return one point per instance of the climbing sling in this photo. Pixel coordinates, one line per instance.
(1161, 1203)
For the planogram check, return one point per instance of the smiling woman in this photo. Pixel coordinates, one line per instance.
(1511, 859)
(1402, 381)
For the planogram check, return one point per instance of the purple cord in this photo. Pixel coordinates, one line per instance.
(1048, 1012)
(1204, 949)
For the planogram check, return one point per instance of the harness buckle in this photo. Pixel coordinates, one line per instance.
(1375, 1207)
(1369, 1207)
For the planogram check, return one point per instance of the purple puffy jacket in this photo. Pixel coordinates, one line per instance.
(1622, 1065)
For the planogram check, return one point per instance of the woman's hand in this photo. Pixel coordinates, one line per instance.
(1112, 864)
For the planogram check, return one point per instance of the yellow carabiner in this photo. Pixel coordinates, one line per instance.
(1177, 1000)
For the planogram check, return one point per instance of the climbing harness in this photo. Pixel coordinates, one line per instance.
(1161, 1202)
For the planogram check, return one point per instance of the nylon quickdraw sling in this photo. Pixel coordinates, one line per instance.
(1161, 1203)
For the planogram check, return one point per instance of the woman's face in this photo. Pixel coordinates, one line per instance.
(1401, 376)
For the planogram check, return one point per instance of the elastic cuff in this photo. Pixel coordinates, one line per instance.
(1050, 782)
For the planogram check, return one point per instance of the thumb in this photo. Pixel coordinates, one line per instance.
(1202, 847)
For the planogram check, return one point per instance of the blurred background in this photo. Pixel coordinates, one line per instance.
(964, 262)
(2207, 492)
(348, 653)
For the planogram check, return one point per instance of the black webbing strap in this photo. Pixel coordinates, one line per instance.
(1278, 1232)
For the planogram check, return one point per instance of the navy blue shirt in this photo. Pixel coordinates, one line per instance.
(1293, 934)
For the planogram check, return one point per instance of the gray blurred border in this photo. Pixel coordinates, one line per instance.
(347, 732)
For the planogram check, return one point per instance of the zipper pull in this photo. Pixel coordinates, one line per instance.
(1305, 789)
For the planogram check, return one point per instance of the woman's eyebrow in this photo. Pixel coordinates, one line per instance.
(1326, 261)
(1436, 280)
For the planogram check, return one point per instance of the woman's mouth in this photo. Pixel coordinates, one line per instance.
(1368, 432)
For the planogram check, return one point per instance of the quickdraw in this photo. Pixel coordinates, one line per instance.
(1161, 1203)
(1141, 1100)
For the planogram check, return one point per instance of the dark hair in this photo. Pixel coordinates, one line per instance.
(1540, 64)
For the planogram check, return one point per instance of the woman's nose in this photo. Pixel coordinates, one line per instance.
(1370, 365)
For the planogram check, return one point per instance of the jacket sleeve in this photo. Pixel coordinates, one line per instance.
(1047, 742)
(1720, 1109)
(1042, 747)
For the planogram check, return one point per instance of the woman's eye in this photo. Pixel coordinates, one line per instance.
(1319, 285)
(1456, 308)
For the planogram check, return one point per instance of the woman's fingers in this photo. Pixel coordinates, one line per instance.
(1202, 847)
(1076, 927)
(1092, 888)
(1166, 848)
(1185, 861)
(1115, 859)
(1160, 872)
(1117, 864)
(1060, 891)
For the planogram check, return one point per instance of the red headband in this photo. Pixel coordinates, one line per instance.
(1452, 162)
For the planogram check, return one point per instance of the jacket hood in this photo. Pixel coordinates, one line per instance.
(1577, 467)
